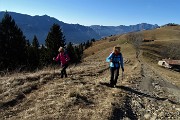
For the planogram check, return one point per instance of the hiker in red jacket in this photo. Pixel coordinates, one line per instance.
(64, 59)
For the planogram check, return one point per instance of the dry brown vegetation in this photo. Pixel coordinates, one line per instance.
(84, 95)
(146, 92)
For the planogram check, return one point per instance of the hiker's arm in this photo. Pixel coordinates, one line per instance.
(57, 58)
(108, 59)
(122, 63)
(67, 57)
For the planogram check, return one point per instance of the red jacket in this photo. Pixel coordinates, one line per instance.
(63, 57)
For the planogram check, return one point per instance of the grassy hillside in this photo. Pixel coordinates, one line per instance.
(108, 42)
(168, 33)
(166, 42)
(85, 93)
(166, 38)
(166, 45)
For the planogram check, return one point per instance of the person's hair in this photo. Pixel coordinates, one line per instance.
(61, 49)
(116, 48)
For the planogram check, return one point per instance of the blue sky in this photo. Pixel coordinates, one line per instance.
(100, 12)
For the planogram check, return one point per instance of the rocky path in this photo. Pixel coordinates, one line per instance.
(153, 97)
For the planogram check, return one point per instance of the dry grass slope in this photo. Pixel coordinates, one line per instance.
(85, 94)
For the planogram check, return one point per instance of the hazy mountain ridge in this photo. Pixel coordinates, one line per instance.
(111, 30)
(40, 26)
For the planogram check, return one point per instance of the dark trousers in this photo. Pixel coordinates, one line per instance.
(63, 71)
(114, 75)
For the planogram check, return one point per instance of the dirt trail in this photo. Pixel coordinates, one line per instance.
(153, 96)
(143, 94)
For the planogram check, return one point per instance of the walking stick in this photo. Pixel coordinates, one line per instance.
(122, 75)
(54, 67)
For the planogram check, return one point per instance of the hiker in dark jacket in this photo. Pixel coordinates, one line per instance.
(64, 59)
(116, 61)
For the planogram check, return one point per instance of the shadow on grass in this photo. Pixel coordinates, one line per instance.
(105, 84)
(146, 95)
(122, 111)
(130, 90)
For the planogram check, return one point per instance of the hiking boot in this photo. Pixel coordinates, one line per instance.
(65, 76)
(112, 86)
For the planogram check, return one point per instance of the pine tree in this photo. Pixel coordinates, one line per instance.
(12, 44)
(28, 43)
(81, 48)
(35, 42)
(75, 52)
(35, 53)
(54, 40)
(93, 40)
(43, 56)
(71, 53)
(78, 54)
(87, 44)
(2, 58)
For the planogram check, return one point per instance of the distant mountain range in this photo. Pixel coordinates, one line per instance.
(104, 31)
(40, 26)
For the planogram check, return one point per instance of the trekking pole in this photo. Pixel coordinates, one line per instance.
(122, 75)
(54, 68)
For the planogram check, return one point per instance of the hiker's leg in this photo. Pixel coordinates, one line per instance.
(65, 70)
(65, 73)
(62, 73)
(116, 75)
(112, 76)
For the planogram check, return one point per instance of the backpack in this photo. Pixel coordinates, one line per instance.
(66, 53)
(114, 62)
